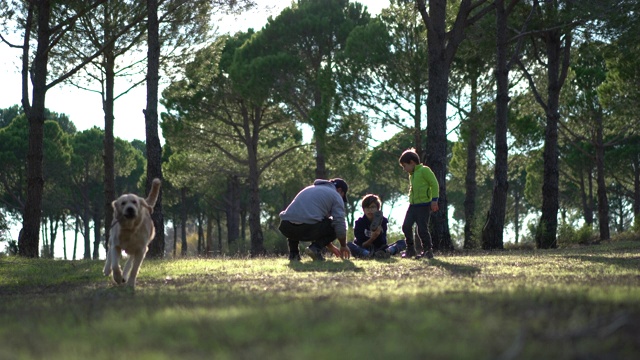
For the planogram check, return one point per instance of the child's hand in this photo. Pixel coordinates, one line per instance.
(434, 206)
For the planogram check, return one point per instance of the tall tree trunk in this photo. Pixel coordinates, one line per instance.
(558, 50)
(200, 235)
(546, 236)
(183, 221)
(585, 194)
(219, 227)
(108, 106)
(320, 133)
(636, 186)
(29, 239)
(53, 233)
(209, 247)
(75, 238)
(417, 124)
(233, 209)
(470, 183)
(252, 133)
(493, 230)
(438, 92)
(87, 236)
(442, 47)
(45, 241)
(86, 210)
(154, 149)
(516, 216)
(603, 202)
(64, 236)
(97, 225)
(175, 236)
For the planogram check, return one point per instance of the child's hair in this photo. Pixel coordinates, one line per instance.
(408, 156)
(370, 199)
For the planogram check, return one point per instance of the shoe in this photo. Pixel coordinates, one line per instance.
(377, 220)
(425, 255)
(409, 253)
(314, 253)
(382, 254)
(294, 257)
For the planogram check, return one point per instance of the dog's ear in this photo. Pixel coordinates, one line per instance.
(143, 203)
(116, 211)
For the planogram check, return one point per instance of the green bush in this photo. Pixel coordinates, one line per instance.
(568, 235)
(275, 243)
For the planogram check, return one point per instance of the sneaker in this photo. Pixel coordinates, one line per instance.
(314, 253)
(425, 255)
(382, 254)
(294, 257)
(377, 220)
(409, 253)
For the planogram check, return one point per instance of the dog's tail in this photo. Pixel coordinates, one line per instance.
(153, 194)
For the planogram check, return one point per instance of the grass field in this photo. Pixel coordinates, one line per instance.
(581, 302)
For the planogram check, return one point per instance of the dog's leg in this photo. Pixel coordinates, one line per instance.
(115, 265)
(107, 263)
(136, 259)
(127, 268)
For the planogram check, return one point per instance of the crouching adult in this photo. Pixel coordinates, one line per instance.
(317, 215)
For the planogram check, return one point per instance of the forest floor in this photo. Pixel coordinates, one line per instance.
(576, 302)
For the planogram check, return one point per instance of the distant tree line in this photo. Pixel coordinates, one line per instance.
(523, 109)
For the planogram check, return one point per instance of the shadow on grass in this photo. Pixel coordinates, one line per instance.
(325, 266)
(455, 269)
(632, 263)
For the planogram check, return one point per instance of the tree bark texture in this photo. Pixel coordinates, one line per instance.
(183, 221)
(603, 202)
(470, 183)
(438, 91)
(493, 230)
(636, 186)
(154, 149)
(586, 197)
(546, 236)
(109, 147)
(252, 135)
(233, 209)
(29, 239)
(97, 224)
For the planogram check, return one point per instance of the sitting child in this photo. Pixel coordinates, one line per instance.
(370, 232)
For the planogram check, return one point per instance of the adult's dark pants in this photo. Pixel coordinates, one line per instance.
(319, 234)
(418, 214)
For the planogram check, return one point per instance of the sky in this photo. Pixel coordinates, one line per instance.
(84, 108)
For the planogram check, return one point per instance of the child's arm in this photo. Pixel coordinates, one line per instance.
(374, 236)
(432, 180)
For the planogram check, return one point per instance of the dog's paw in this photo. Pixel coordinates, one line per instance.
(117, 277)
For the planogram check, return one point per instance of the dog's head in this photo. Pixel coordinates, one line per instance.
(130, 207)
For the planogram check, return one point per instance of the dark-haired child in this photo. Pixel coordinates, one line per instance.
(423, 199)
(370, 232)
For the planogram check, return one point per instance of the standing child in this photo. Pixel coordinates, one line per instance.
(423, 199)
(370, 232)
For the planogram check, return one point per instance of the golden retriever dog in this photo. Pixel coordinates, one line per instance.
(132, 230)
